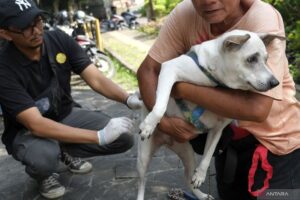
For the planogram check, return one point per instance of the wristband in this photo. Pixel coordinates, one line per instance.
(126, 101)
(101, 137)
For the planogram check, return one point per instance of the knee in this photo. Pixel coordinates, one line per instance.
(43, 159)
(46, 162)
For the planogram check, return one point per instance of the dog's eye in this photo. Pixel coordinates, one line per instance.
(252, 59)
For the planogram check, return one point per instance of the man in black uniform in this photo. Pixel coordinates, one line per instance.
(43, 125)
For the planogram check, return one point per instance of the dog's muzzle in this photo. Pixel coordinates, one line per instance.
(273, 82)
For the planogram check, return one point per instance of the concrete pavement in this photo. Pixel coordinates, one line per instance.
(113, 177)
(131, 37)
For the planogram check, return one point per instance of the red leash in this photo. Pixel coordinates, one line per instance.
(261, 153)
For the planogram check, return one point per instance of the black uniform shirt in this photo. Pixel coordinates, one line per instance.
(23, 80)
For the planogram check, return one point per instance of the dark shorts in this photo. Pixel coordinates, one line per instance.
(233, 159)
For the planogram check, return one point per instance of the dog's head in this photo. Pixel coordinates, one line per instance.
(244, 58)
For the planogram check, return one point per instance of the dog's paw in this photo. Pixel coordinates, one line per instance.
(146, 130)
(148, 125)
(198, 178)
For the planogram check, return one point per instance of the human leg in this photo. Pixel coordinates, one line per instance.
(41, 158)
(286, 171)
(39, 155)
(94, 120)
(236, 187)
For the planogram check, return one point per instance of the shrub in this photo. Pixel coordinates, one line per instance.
(289, 9)
(160, 10)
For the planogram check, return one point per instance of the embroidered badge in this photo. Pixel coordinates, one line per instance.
(61, 58)
(22, 3)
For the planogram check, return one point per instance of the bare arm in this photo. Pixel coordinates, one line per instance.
(47, 128)
(147, 76)
(235, 104)
(102, 85)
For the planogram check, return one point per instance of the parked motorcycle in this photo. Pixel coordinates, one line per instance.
(130, 19)
(77, 31)
(99, 58)
(116, 22)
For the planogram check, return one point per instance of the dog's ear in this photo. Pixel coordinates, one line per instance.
(235, 42)
(268, 38)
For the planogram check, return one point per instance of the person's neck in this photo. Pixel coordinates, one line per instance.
(33, 54)
(222, 27)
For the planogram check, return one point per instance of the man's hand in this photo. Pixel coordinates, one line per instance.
(134, 101)
(177, 128)
(114, 128)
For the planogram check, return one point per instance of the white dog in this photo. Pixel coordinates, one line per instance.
(237, 60)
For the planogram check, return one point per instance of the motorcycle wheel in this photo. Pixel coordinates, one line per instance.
(134, 25)
(104, 64)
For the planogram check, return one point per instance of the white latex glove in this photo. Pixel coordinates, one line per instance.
(134, 102)
(114, 128)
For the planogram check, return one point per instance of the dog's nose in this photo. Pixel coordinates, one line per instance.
(273, 82)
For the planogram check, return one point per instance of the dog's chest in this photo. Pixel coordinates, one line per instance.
(192, 114)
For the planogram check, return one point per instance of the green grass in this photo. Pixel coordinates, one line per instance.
(124, 77)
(150, 29)
(129, 53)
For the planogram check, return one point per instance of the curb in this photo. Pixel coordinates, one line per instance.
(119, 59)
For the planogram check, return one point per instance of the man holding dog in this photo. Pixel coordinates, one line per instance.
(43, 125)
(267, 120)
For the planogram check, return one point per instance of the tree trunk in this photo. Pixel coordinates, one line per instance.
(151, 11)
(71, 8)
(55, 6)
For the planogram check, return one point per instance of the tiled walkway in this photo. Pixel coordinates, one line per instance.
(112, 178)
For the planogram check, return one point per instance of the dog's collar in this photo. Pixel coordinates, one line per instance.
(194, 56)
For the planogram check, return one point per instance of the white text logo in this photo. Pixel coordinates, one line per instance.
(276, 194)
(22, 3)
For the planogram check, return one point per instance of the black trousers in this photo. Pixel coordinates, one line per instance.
(41, 156)
(286, 168)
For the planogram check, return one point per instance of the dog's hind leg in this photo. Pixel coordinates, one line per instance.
(212, 140)
(186, 153)
(146, 149)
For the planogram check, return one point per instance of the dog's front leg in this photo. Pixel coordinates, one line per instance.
(182, 68)
(166, 80)
(212, 140)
